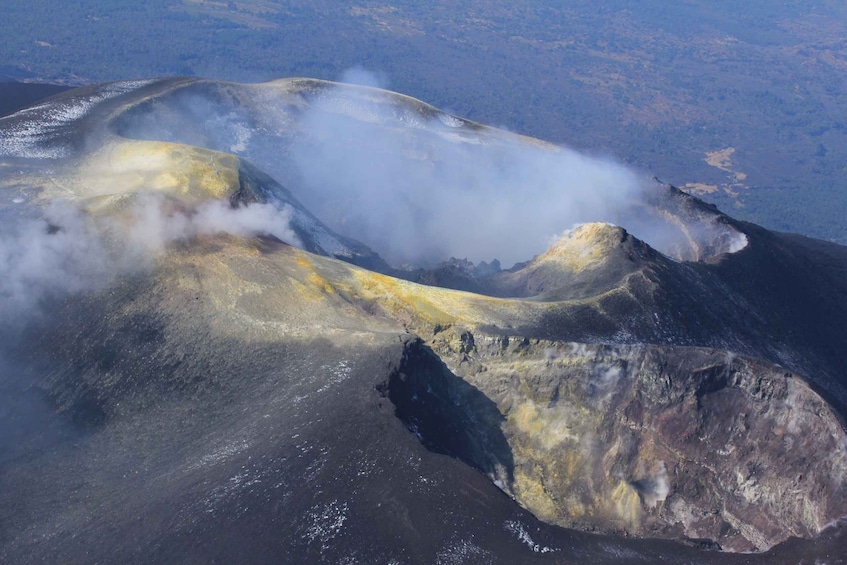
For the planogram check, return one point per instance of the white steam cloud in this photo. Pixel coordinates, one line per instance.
(65, 251)
(654, 488)
(157, 222)
(418, 185)
(363, 77)
(420, 190)
(60, 252)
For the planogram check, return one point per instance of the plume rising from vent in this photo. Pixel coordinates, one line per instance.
(66, 251)
(416, 184)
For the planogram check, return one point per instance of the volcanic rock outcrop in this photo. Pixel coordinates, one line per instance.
(230, 378)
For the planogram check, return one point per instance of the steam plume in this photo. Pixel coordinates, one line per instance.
(415, 184)
(65, 251)
(428, 189)
(363, 77)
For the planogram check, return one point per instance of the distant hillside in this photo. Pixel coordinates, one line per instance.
(740, 104)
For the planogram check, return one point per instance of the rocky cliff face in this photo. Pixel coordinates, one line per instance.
(230, 392)
(661, 441)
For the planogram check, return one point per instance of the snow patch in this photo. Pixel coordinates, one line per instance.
(450, 121)
(337, 374)
(461, 552)
(36, 132)
(221, 454)
(519, 530)
(326, 522)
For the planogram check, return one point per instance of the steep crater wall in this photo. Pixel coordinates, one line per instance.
(686, 443)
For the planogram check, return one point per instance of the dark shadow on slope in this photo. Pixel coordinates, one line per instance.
(448, 415)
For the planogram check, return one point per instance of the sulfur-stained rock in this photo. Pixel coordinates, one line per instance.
(667, 441)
